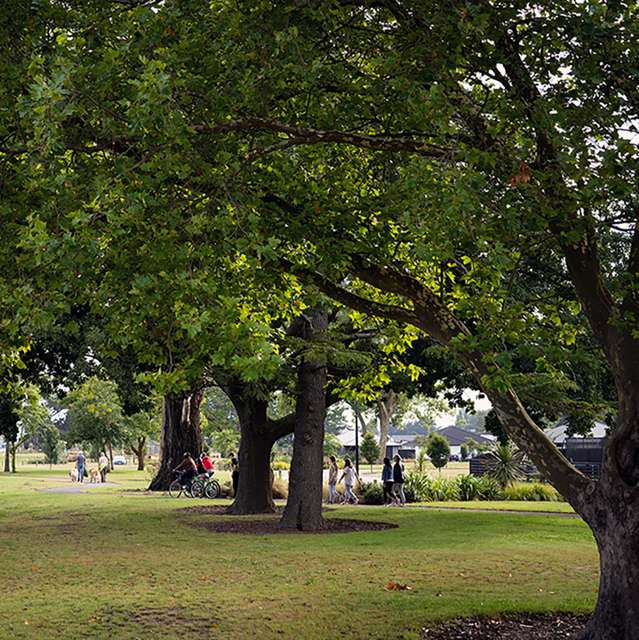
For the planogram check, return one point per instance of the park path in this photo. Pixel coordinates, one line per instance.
(79, 487)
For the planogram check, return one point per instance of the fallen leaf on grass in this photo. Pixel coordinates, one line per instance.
(391, 585)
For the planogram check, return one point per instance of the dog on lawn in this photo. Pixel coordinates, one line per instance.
(73, 474)
(94, 476)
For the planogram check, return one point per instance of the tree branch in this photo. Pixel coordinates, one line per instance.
(309, 136)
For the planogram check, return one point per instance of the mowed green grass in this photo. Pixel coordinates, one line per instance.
(119, 563)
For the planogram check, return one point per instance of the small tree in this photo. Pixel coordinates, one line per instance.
(438, 450)
(505, 464)
(225, 440)
(95, 415)
(136, 432)
(332, 445)
(50, 443)
(463, 450)
(369, 448)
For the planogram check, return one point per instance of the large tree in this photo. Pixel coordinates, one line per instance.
(479, 137)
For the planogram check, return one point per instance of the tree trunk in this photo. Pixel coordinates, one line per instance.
(304, 505)
(385, 408)
(140, 453)
(7, 458)
(613, 516)
(14, 448)
(180, 433)
(110, 451)
(258, 434)
(255, 485)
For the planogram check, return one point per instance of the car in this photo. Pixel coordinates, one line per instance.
(119, 460)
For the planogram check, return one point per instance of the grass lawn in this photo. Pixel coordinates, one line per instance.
(117, 563)
(503, 505)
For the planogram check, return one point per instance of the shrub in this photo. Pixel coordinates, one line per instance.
(468, 488)
(506, 464)
(444, 489)
(489, 489)
(279, 466)
(438, 450)
(280, 489)
(226, 490)
(151, 468)
(417, 487)
(533, 492)
(372, 493)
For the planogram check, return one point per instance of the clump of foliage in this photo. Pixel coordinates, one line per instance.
(369, 448)
(417, 487)
(372, 493)
(532, 492)
(505, 464)
(438, 450)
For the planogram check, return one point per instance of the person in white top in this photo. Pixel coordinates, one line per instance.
(349, 475)
(332, 480)
(103, 466)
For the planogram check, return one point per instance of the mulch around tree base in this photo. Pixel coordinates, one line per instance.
(264, 525)
(524, 627)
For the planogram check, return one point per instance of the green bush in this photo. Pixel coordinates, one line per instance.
(444, 489)
(372, 493)
(417, 487)
(468, 488)
(532, 492)
(489, 489)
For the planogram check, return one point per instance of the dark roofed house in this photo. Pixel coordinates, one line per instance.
(407, 446)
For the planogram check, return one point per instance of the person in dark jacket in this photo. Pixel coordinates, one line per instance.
(235, 473)
(398, 481)
(387, 481)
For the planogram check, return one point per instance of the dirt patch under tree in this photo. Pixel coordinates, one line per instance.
(558, 626)
(264, 525)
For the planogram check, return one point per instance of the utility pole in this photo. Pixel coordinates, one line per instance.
(356, 444)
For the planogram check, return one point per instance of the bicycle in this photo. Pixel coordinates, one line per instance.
(204, 486)
(179, 486)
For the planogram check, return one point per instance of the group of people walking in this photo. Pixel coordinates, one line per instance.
(392, 482)
(82, 472)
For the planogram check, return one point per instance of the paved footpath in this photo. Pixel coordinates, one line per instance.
(79, 487)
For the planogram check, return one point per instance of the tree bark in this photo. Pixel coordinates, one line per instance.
(14, 447)
(385, 408)
(180, 433)
(613, 516)
(110, 451)
(303, 509)
(7, 458)
(140, 453)
(254, 486)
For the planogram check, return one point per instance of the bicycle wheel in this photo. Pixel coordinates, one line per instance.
(197, 489)
(212, 489)
(175, 489)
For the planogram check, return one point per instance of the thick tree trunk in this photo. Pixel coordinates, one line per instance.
(385, 409)
(14, 448)
(304, 505)
(258, 435)
(7, 458)
(180, 433)
(255, 484)
(613, 517)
